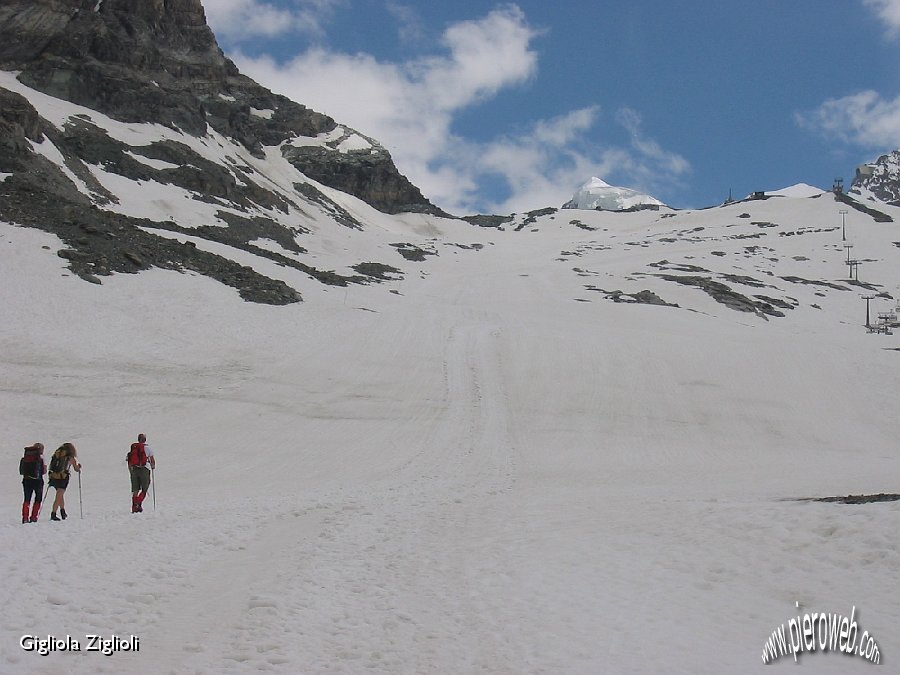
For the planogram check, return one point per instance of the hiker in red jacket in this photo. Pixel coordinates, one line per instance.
(32, 469)
(138, 458)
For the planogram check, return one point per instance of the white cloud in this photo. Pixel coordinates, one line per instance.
(652, 159)
(545, 164)
(410, 108)
(866, 119)
(410, 28)
(563, 130)
(242, 20)
(485, 56)
(888, 11)
(541, 166)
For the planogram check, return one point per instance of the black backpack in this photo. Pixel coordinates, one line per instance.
(30, 466)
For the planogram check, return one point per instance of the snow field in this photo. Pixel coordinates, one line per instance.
(477, 473)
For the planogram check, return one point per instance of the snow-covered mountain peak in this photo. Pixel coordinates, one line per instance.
(798, 191)
(600, 195)
(595, 182)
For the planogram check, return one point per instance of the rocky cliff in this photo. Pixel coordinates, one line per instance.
(880, 179)
(151, 99)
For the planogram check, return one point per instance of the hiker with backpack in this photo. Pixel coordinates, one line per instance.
(63, 458)
(32, 469)
(138, 457)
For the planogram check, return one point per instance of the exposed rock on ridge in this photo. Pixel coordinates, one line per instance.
(880, 178)
(158, 61)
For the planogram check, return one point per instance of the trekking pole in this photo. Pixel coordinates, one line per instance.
(153, 484)
(80, 506)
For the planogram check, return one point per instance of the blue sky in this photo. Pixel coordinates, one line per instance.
(507, 107)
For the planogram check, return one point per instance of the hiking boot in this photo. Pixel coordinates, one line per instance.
(34, 520)
(62, 512)
(53, 516)
(24, 519)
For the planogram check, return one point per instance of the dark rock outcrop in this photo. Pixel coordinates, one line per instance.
(726, 295)
(144, 61)
(858, 499)
(19, 123)
(368, 174)
(877, 216)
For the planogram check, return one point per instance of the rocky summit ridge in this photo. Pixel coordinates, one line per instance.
(154, 68)
(157, 61)
(880, 179)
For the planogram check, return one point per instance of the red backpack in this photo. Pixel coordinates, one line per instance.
(137, 456)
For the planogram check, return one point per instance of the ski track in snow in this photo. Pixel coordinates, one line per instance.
(353, 591)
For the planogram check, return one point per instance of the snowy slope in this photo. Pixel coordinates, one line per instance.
(502, 462)
(261, 204)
